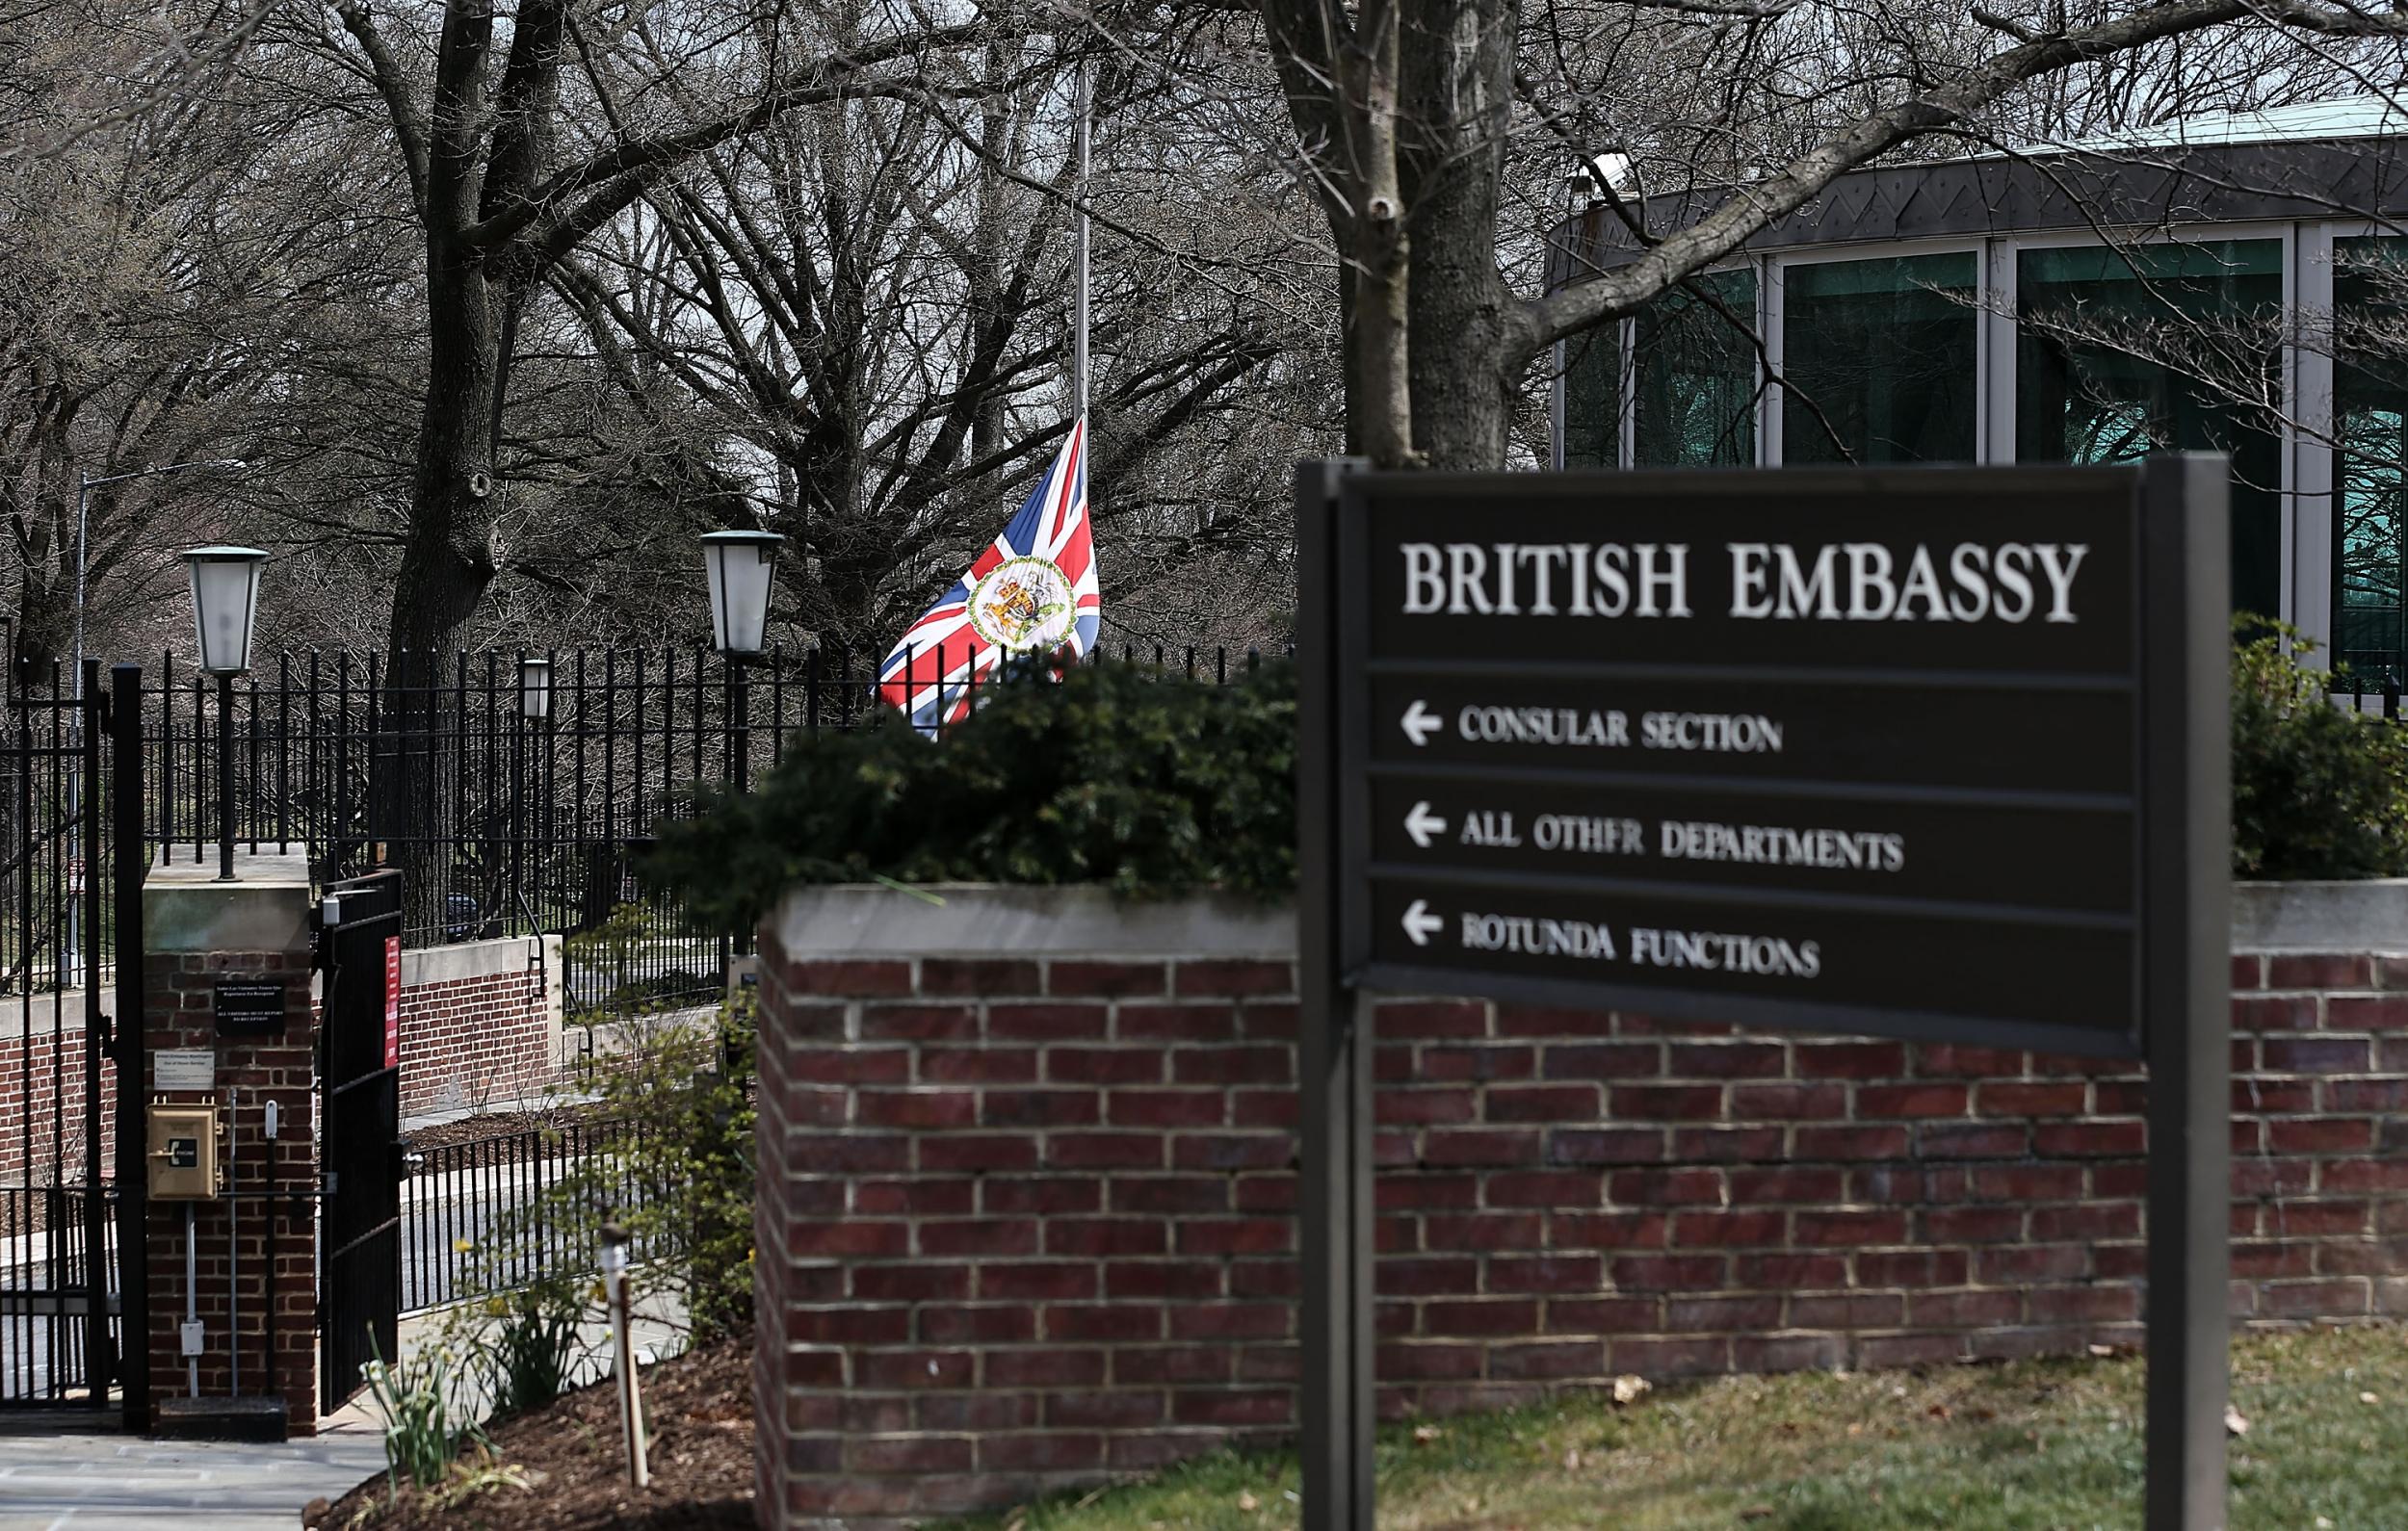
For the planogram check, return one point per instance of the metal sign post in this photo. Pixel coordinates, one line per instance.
(1937, 754)
(1333, 1069)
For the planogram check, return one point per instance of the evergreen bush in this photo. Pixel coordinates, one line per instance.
(1120, 775)
(1151, 784)
(2319, 791)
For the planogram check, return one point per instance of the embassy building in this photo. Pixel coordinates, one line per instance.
(2236, 283)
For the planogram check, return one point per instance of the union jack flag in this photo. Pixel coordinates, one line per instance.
(1033, 591)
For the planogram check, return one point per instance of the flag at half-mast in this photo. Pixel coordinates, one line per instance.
(1033, 591)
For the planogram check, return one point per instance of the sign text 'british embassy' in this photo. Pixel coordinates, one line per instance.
(1653, 744)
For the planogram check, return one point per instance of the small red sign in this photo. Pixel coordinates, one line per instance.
(392, 1002)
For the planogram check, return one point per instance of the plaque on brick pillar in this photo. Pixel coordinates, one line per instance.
(248, 1008)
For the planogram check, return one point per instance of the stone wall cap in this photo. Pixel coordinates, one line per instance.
(2366, 914)
(261, 868)
(501, 957)
(266, 908)
(869, 920)
(994, 919)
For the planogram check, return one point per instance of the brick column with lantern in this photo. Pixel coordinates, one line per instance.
(230, 1041)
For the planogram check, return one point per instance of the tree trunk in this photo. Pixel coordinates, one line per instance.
(1374, 238)
(1456, 97)
(445, 566)
(448, 559)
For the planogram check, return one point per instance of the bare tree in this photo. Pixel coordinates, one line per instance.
(178, 285)
(861, 312)
(517, 152)
(1408, 113)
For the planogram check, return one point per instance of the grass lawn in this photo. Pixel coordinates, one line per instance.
(2045, 1445)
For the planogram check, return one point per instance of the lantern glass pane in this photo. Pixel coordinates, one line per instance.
(535, 688)
(225, 598)
(739, 573)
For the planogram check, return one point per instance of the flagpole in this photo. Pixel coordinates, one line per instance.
(1078, 359)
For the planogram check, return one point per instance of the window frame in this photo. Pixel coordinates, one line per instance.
(2304, 371)
(1776, 345)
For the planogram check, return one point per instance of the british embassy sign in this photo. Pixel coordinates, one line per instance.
(1928, 753)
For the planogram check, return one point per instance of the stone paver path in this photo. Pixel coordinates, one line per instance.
(124, 1483)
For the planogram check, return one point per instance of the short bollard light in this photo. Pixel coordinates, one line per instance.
(225, 603)
(624, 1351)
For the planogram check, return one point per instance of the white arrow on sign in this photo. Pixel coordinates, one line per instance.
(1422, 824)
(1419, 924)
(1419, 722)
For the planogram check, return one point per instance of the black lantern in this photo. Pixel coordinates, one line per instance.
(225, 600)
(226, 604)
(739, 565)
(535, 689)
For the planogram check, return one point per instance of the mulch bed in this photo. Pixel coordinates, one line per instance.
(698, 1409)
(498, 1124)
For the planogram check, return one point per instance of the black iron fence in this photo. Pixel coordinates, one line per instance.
(49, 1284)
(491, 1214)
(508, 818)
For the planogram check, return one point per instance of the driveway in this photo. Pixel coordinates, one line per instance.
(123, 1483)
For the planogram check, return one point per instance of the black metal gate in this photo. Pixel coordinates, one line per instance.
(359, 1289)
(71, 901)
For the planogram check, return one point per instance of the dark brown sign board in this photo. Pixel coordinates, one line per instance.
(1929, 753)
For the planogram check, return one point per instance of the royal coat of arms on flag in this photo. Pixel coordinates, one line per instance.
(1033, 591)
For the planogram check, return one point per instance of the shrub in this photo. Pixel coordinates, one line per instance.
(526, 1347)
(1118, 775)
(677, 1176)
(418, 1399)
(2319, 791)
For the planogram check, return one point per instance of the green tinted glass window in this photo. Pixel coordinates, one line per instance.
(2369, 448)
(2165, 348)
(1881, 358)
(1592, 399)
(1696, 367)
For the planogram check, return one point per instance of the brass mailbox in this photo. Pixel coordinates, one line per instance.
(183, 1155)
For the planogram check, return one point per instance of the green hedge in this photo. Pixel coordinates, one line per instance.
(1150, 784)
(1118, 775)
(2317, 791)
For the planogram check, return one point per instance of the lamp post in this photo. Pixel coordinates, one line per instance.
(739, 565)
(534, 710)
(225, 599)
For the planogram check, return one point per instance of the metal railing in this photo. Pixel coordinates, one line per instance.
(47, 1289)
(505, 826)
(495, 1213)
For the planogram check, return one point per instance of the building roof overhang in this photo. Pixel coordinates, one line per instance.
(2169, 182)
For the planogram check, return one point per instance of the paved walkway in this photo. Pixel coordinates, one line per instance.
(124, 1483)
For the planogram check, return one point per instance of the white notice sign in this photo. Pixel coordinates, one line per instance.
(184, 1069)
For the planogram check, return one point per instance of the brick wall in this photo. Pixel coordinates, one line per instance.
(480, 1024)
(177, 1012)
(34, 1043)
(1026, 1224)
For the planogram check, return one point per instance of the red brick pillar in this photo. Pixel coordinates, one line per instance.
(214, 952)
(1025, 1220)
